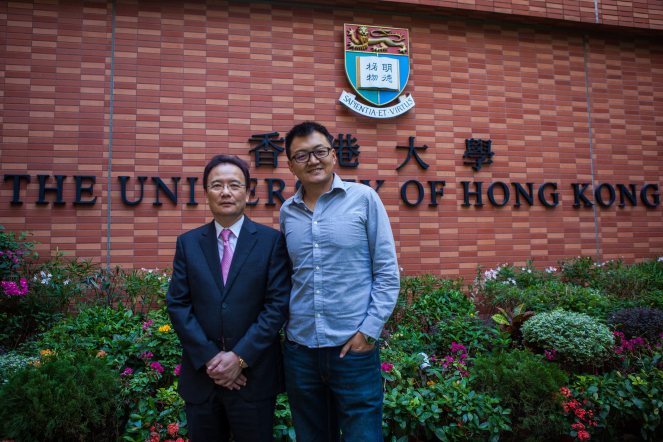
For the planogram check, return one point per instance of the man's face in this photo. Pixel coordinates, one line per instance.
(314, 171)
(223, 201)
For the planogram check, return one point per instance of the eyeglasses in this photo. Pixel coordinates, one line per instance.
(303, 157)
(233, 187)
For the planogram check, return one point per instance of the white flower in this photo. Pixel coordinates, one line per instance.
(164, 274)
(159, 278)
(43, 274)
(529, 271)
(149, 271)
(550, 269)
(168, 279)
(66, 282)
(660, 258)
(402, 269)
(143, 269)
(35, 278)
(490, 274)
(156, 269)
(50, 276)
(523, 269)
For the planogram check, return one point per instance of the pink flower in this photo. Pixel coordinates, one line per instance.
(386, 367)
(177, 370)
(583, 435)
(173, 428)
(127, 372)
(11, 289)
(145, 355)
(146, 325)
(156, 366)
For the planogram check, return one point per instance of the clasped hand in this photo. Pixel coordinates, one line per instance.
(224, 369)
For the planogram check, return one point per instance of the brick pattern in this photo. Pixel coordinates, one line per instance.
(602, 15)
(195, 80)
(55, 86)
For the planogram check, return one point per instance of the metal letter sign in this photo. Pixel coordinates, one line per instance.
(377, 63)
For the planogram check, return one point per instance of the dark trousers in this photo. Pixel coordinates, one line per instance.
(225, 412)
(328, 394)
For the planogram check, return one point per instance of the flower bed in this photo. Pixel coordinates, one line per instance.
(447, 374)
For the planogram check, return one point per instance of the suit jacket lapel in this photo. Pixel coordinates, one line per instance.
(210, 248)
(247, 239)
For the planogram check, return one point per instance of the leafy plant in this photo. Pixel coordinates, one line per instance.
(448, 411)
(638, 322)
(513, 322)
(11, 363)
(619, 401)
(575, 337)
(164, 416)
(581, 271)
(528, 386)
(284, 429)
(476, 334)
(425, 299)
(552, 295)
(69, 398)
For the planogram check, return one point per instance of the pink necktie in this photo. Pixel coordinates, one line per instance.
(227, 254)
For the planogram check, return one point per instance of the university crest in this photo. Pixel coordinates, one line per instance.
(377, 63)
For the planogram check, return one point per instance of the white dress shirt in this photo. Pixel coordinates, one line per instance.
(232, 240)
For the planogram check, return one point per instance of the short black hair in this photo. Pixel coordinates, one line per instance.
(225, 159)
(304, 130)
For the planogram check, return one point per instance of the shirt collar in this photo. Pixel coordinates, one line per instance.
(235, 228)
(337, 183)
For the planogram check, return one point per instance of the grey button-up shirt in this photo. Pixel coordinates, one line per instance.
(345, 273)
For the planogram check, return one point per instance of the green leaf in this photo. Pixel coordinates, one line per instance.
(518, 309)
(500, 319)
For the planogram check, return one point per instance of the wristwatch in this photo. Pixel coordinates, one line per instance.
(369, 339)
(242, 362)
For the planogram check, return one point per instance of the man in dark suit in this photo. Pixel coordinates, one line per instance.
(228, 299)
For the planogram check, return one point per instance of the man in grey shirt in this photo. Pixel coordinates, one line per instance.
(345, 286)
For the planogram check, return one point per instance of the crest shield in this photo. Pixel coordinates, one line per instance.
(377, 61)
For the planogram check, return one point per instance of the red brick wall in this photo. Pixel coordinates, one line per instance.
(194, 81)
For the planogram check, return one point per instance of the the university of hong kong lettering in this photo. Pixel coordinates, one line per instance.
(377, 64)
(479, 151)
(412, 150)
(347, 151)
(412, 192)
(267, 151)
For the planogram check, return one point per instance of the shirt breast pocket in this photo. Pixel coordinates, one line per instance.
(347, 232)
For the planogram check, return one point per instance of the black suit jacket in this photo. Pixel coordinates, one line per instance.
(245, 314)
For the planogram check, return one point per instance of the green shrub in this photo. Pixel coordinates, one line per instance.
(436, 403)
(581, 271)
(553, 295)
(618, 402)
(284, 429)
(157, 415)
(123, 335)
(11, 363)
(638, 322)
(475, 334)
(425, 299)
(65, 399)
(526, 385)
(575, 337)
